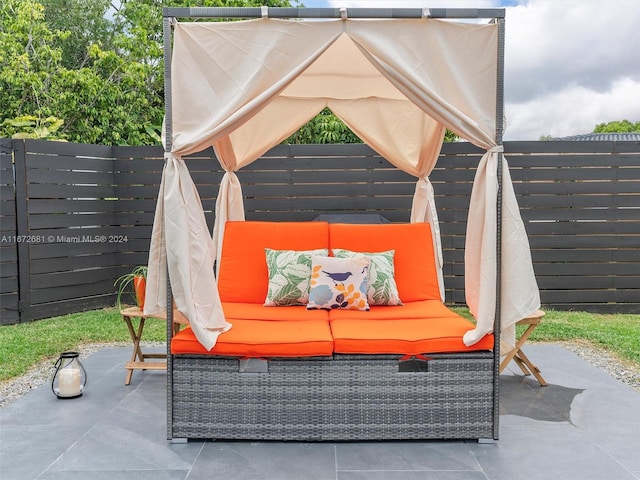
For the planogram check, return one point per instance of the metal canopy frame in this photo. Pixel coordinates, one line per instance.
(318, 13)
(170, 14)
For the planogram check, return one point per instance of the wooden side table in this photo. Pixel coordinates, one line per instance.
(138, 357)
(518, 356)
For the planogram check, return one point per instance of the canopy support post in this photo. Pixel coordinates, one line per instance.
(167, 23)
(498, 313)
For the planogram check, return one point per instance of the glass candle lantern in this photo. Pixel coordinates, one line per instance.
(70, 377)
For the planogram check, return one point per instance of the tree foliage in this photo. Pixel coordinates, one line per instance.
(29, 126)
(325, 127)
(102, 99)
(91, 71)
(84, 23)
(622, 126)
(94, 64)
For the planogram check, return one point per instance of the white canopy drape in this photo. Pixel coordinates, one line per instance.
(243, 87)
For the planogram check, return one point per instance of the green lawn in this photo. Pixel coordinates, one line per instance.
(24, 345)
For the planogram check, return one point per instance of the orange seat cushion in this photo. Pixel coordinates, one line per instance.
(414, 260)
(421, 309)
(254, 311)
(259, 338)
(244, 276)
(433, 332)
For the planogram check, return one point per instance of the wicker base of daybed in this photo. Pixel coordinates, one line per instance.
(345, 397)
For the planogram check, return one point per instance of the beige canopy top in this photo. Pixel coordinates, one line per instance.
(245, 86)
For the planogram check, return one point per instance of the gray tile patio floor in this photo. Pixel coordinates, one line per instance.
(584, 425)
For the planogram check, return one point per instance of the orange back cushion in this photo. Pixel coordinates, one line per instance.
(414, 260)
(244, 276)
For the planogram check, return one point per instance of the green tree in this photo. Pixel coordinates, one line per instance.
(325, 127)
(33, 127)
(622, 126)
(28, 62)
(105, 101)
(84, 22)
(449, 136)
(328, 128)
(106, 88)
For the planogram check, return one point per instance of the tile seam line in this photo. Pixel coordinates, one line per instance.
(196, 459)
(612, 457)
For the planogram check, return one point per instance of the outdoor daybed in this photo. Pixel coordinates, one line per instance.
(291, 373)
(398, 78)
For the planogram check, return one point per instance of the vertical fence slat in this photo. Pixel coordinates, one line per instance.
(22, 230)
(9, 285)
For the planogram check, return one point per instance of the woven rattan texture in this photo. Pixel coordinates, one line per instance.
(337, 398)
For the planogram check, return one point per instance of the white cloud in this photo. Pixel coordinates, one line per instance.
(569, 64)
(573, 110)
(587, 42)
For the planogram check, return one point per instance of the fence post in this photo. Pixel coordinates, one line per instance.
(22, 231)
(9, 298)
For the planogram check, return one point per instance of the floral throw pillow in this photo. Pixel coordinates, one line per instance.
(382, 288)
(289, 275)
(339, 283)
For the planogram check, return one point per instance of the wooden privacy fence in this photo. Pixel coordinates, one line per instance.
(75, 217)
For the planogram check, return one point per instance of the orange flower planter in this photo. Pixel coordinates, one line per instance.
(139, 287)
(133, 283)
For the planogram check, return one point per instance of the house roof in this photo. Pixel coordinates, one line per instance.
(603, 137)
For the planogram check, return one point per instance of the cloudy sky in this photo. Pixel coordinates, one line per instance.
(569, 64)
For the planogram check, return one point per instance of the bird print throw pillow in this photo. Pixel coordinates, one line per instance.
(339, 283)
(382, 288)
(289, 275)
